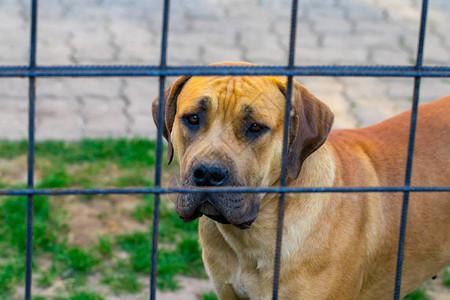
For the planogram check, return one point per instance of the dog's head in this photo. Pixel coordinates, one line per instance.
(228, 131)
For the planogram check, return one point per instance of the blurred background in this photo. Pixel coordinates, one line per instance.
(95, 132)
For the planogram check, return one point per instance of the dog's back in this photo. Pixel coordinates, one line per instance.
(431, 147)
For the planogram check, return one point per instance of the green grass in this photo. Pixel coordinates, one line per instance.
(84, 295)
(119, 282)
(105, 245)
(125, 152)
(47, 277)
(11, 273)
(144, 211)
(183, 257)
(418, 294)
(446, 277)
(79, 260)
(209, 296)
(90, 163)
(46, 237)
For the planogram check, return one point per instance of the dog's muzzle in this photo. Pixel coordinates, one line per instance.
(226, 208)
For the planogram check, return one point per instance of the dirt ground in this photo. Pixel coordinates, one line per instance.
(192, 288)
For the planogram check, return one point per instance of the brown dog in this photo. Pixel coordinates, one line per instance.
(227, 131)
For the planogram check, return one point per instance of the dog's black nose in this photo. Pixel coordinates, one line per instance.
(210, 174)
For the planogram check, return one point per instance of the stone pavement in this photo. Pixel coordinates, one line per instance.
(204, 31)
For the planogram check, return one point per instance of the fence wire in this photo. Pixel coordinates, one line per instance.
(163, 70)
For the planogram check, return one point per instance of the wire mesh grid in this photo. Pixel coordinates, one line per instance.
(163, 70)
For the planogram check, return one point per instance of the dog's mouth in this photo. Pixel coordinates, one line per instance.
(218, 218)
(207, 209)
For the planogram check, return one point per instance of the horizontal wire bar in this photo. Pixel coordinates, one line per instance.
(150, 70)
(153, 190)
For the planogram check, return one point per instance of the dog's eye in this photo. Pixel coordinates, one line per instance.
(255, 130)
(193, 119)
(255, 127)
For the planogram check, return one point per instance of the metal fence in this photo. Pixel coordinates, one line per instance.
(163, 70)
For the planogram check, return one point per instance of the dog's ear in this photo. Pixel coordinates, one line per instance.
(310, 124)
(170, 102)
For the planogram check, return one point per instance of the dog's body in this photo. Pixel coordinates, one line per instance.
(335, 245)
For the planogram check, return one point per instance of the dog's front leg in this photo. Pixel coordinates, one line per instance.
(219, 259)
(226, 292)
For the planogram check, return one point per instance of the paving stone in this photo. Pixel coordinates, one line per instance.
(364, 88)
(92, 43)
(143, 126)
(433, 88)
(435, 52)
(104, 118)
(370, 101)
(206, 38)
(216, 54)
(318, 85)
(399, 89)
(262, 50)
(383, 27)
(134, 43)
(362, 11)
(438, 22)
(179, 53)
(343, 116)
(63, 115)
(305, 35)
(13, 47)
(55, 88)
(53, 39)
(199, 9)
(14, 88)
(327, 25)
(331, 91)
(99, 87)
(327, 10)
(141, 92)
(48, 54)
(390, 55)
(222, 28)
(370, 112)
(342, 43)
(329, 55)
(51, 9)
(13, 119)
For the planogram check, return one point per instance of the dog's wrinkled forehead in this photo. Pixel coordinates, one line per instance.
(250, 96)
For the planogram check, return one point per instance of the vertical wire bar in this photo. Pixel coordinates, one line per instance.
(409, 160)
(31, 138)
(161, 109)
(281, 200)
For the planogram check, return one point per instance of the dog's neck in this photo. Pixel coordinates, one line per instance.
(318, 170)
